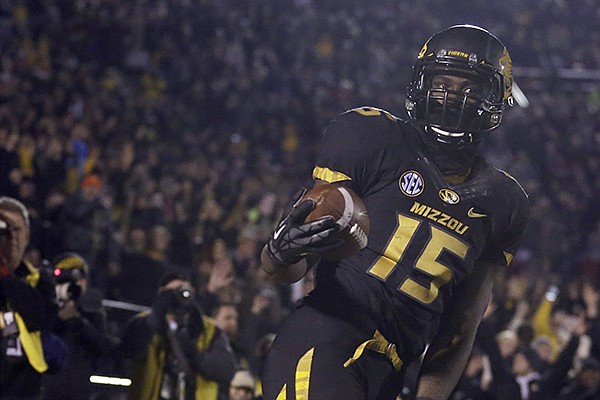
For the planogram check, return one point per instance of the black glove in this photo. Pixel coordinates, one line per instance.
(293, 239)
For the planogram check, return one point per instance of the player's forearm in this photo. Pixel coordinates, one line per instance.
(449, 351)
(436, 387)
(283, 273)
(442, 369)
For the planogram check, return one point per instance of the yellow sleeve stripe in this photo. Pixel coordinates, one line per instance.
(508, 257)
(328, 175)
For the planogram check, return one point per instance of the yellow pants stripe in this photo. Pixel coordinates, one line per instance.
(302, 383)
(303, 375)
(281, 395)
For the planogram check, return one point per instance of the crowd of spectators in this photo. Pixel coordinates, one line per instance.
(160, 135)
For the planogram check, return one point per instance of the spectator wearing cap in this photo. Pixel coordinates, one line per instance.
(81, 324)
(242, 386)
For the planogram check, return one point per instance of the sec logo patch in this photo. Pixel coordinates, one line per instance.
(411, 183)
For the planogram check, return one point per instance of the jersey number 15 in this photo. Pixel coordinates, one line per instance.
(427, 262)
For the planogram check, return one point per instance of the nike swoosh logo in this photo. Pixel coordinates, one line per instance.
(473, 214)
(278, 232)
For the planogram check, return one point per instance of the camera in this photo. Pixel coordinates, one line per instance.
(67, 291)
(177, 300)
(183, 296)
(68, 269)
(66, 284)
(185, 293)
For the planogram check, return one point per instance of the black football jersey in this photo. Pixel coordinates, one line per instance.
(426, 235)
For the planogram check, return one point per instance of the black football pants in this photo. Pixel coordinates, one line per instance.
(306, 362)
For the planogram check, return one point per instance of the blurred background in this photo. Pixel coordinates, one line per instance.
(156, 135)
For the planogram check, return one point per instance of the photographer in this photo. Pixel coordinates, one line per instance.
(81, 323)
(26, 309)
(178, 352)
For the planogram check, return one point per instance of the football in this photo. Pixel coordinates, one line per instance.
(350, 214)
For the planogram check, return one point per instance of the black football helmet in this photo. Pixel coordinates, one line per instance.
(452, 115)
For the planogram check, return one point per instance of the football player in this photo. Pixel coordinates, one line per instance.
(442, 219)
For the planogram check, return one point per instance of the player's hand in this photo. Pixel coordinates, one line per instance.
(293, 239)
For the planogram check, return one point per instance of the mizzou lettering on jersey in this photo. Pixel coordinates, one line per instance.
(439, 217)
